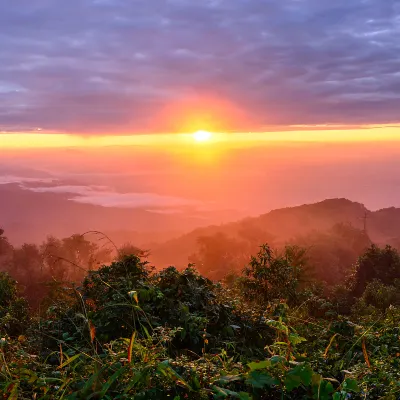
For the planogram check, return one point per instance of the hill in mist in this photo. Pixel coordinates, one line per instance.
(29, 216)
(287, 225)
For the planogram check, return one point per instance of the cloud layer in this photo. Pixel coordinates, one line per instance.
(105, 197)
(106, 66)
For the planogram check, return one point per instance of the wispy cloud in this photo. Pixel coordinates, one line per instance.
(9, 179)
(103, 196)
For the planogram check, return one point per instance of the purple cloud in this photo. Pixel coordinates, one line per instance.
(108, 66)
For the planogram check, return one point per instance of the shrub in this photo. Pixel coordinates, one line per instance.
(375, 264)
(270, 276)
(382, 296)
(13, 309)
(127, 297)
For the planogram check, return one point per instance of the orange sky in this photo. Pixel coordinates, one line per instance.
(241, 172)
(58, 140)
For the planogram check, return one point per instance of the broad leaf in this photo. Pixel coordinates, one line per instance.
(260, 380)
(277, 360)
(351, 384)
(323, 391)
(294, 338)
(301, 374)
(229, 378)
(254, 366)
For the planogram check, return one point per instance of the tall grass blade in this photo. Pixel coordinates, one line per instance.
(92, 330)
(329, 345)
(111, 380)
(364, 349)
(131, 346)
(69, 361)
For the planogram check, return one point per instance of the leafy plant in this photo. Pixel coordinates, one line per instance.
(129, 332)
(14, 317)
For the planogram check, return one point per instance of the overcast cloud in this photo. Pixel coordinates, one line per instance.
(109, 65)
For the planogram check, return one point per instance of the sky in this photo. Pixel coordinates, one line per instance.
(99, 100)
(118, 66)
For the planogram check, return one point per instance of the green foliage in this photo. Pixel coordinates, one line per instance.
(269, 276)
(128, 297)
(375, 264)
(13, 309)
(106, 298)
(382, 296)
(130, 332)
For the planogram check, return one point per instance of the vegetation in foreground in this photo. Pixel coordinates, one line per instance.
(270, 332)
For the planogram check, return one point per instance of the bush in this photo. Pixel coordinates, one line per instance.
(382, 296)
(270, 276)
(128, 297)
(14, 317)
(132, 333)
(378, 264)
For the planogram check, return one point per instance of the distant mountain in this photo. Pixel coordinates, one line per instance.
(282, 225)
(28, 216)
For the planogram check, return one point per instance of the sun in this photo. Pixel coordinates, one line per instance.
(202, 136)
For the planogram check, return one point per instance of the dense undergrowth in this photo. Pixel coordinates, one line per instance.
(130, 332)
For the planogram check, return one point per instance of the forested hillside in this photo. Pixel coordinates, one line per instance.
(80, 320)
(332, 233)
(311, 226)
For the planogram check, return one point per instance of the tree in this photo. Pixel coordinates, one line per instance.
(55, 262)
(220, 255)
(70, 258)
(270, 276)
(332, 254)
(128, 249)
(382, 265)
(27, 268)
(382, 296)
(5, 250)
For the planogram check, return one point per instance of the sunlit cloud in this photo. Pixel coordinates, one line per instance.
(10, 179)
(103, 196)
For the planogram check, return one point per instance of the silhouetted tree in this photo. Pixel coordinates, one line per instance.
(27, 268)
(332, 254)
(5, 250)
(128, 249)
(37, 269)
(70, 258)
(220, 255)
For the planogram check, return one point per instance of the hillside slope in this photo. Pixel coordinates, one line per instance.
(282, 225)
(28, 216)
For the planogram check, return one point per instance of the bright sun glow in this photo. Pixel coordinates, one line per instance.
(202, 136)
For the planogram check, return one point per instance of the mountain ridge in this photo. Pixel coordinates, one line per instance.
(280, 226)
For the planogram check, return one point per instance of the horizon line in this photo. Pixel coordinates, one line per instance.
(42, 139)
